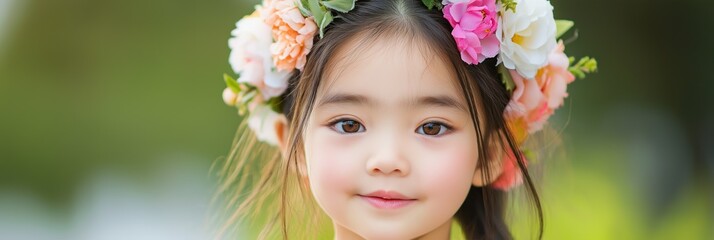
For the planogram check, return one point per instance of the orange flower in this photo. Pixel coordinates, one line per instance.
(518, 129)
(535, 100)
(292, 32)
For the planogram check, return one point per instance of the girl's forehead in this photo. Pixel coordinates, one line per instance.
(389, 69)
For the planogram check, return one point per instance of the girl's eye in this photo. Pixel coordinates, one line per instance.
(432, 129)
(347, 126)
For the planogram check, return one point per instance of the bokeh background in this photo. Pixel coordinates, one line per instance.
(111, 115)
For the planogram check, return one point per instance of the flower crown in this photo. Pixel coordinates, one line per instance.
(275, 39)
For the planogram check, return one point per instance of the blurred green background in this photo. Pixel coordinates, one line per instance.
(111, 114)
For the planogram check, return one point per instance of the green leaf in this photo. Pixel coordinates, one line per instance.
(508, 5)
(248, 97)
(429, 3)
(506, 77)
(590, 65)
(318, 13)
(231, 83)
(316, 10)
(301, 6)
(562, 26)
(275, 104)
(584, 65)
(432, 3)
(342, 6)
(326, 20)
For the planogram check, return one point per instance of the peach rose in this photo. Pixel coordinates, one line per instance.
(535, 100)
(293, 34)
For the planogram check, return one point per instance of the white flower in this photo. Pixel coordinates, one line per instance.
(527, 36)
(251, 58)
(264, 123)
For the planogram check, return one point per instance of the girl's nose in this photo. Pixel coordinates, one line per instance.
(388, 160)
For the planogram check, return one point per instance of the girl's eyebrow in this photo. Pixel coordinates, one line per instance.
(435, 101)
(341, 98)
(440, 101)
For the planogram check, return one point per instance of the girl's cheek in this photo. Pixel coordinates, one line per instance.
(453, 166)
(331, 164)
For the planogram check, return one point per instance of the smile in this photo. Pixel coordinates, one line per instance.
(387, 200)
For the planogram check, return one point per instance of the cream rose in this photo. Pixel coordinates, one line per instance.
(264, 121)
(527, 36)
(251, 58)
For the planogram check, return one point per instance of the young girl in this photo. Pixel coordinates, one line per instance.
(395, 117)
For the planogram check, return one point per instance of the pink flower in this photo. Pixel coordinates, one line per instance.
(535, 100)
(511, 175)
(293, 34)
(474, 23)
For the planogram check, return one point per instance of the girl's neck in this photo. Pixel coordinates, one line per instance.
(442, 232)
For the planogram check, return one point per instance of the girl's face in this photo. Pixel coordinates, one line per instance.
(390, 147)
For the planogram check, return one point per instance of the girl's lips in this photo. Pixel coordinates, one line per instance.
(387, 200)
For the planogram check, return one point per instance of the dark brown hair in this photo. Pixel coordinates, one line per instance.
(481, 216)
